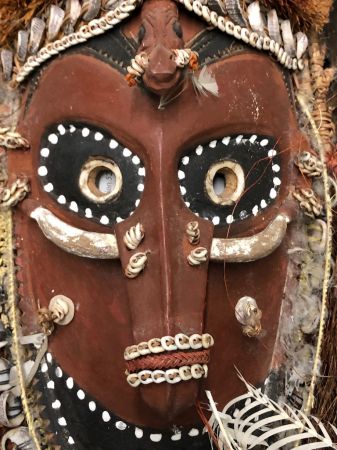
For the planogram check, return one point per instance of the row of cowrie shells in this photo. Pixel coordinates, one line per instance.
(171, 376)
(168, 344)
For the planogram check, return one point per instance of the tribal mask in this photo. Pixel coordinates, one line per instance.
(171, 223)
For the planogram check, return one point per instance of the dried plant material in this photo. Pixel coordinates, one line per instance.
(16, 15)
(253, 420)
(303, 14)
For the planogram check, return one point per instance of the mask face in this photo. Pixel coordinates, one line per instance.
(197, 199)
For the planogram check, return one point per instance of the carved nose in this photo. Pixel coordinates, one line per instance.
(162, 73)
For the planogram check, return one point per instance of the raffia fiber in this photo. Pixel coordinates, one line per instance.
(15, 15)
(305, 15)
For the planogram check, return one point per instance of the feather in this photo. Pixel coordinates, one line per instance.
(205, 83)
(259, 421)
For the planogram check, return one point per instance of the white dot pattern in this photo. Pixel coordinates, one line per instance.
(263, 203)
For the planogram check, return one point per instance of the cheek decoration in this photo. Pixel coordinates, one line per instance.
(90, 173)
(231, 179)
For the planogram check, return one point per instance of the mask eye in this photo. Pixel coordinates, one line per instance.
(225, 182)
(85, 170)
(178, 30)
(100, 180)
(231, 179)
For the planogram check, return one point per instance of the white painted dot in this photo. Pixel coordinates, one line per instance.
(226, 140)
(85, 132)
(272, 153)
(276, 168)
(185, 160)
(72, 129)
(252, 139)
(272, 193)
(176, 437)
(264, 142)
(104, 220)
(58, 372)
(44, 368)
(135, 160)
(48, 187)
(98, 136)
(106, 416)
(45, 152)
(70, 383)
(156, 437)
(255, 210)
(181, 174)
(263, 204)
(139, 433)
(127, 152)
(120, 425)
(229, 219)
(62, 421)
(188, 204)
(61, 129)
(119, 219)
(92, 406)
(81, 394)
(49, 357)
(141, 171)
(277, 181)
(88, 213)
(212, 144)
(199, 150)
(71, 440)
(216, 220)
(73, 206)
(243, 214)
(239, 139)
(140, 187)
(51, 384)
(182, 190)
(193, 432)
(113, 144)
(62, 200)
(137, 202)
(42, 171)
(53, 139)
(56, 404)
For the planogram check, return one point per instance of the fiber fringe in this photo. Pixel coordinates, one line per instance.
(304, 14)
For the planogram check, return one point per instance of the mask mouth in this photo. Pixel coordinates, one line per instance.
(170, 359)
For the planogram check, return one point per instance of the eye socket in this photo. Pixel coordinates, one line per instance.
(177, 29)
(141, 34)
(100, 180)
(225, 182)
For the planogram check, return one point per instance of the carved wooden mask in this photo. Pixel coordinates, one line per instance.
(171, 220)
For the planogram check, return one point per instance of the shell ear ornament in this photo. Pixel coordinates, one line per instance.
(249, 316)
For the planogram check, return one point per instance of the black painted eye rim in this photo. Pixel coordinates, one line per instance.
(267, 145)
(93, 212)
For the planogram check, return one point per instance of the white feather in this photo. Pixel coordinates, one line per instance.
(205, 82)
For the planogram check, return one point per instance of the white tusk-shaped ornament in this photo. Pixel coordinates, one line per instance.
(73, 240)
(251, 248)
(104, 245)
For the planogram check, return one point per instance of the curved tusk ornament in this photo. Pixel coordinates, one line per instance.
(74, 240)
(104, 245)
(251, 248)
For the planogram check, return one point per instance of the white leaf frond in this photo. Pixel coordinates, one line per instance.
(254, 420)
